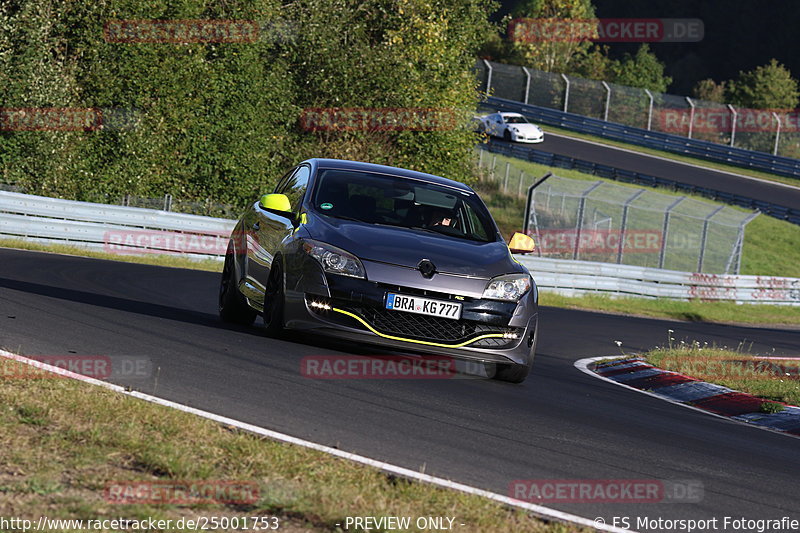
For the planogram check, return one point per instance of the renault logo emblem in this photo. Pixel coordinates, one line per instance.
(426, 268)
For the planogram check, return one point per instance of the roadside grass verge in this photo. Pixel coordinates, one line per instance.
(771, 246)
(62, 442)
(676, 157)
(168, 260)
(733, 369)
(691, 311)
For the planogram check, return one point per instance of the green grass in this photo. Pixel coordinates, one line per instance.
(168, 260)
(771, 246)
(692, 311)
(62, 442)
(731, 368)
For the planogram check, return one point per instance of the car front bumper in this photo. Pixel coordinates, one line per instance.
(355, 309)
(519, 137)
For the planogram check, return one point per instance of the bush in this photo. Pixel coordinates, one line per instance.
(220, 120)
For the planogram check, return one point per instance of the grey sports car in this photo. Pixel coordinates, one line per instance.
(378, 254)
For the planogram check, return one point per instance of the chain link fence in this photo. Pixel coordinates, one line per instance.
(772, 131)
(611, 223)
(601, 221)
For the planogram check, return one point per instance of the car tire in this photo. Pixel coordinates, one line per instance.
(507, 136)
(274, 301)
(233, 307)
(512, 373)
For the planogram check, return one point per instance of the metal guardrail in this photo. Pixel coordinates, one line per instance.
(133, 230)
(111, 228)
(783, 166)
(629, 176)
(575, 278)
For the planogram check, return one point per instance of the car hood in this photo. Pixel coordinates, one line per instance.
(528, 129)
(407, 247)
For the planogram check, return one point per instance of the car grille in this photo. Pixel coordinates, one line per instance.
(428, 328)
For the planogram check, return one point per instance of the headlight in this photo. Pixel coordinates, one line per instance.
(334, 260)
(510, 287)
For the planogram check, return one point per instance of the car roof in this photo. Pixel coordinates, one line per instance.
(343, 164)
(510, 115)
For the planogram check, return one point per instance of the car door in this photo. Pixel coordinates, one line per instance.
(500, 126)
(492, 123)
(270, 228)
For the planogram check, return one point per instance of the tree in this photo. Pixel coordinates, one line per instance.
(594, 64)
(770, 86)
(642, 70)
(556, 31)
(710, 90)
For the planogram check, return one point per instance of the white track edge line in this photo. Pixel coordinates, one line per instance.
(583, 366)
(663, 158)
(539, 510)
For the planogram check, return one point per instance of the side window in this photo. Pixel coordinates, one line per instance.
(295, 187)
(281, 186)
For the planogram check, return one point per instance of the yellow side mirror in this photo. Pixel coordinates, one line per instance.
(276, 202)
(521, 244)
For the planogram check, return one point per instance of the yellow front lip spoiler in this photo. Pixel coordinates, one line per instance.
(428, 343)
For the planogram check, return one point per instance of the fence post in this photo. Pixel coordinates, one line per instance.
(488, 77)
(733, 122)
(579, 223)
(494, 165)
(566, 92)
(777, 133)
(527, 84)
(649, 109)
(480, 158)
(704, 237)
(691, 115)
(519, 189)
(530, 211)
(740, 242)
(167, 202)
(665, 231)
(624, 224)
(505, 180)
(608, 100)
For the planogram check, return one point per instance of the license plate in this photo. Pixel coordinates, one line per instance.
(423, 306)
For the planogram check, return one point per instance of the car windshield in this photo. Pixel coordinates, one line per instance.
(397, 201)
(515, 120)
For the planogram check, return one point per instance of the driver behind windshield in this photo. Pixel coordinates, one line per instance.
(441, 217)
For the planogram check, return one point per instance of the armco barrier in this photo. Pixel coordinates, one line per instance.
(51, 220)
(575, 278)
(111, 227)
(628, 176)
(783, 166)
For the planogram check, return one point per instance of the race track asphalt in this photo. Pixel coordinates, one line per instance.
(560, 424)
(670, 169)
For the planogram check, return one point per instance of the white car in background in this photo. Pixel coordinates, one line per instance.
(511, 127)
